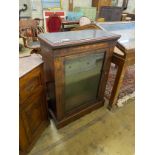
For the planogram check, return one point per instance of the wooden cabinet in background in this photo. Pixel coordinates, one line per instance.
(99, 3)
(33, 117)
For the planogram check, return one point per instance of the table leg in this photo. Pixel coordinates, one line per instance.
(117, 84)
(63, 28)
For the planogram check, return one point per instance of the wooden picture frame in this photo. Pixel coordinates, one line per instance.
(55, 8)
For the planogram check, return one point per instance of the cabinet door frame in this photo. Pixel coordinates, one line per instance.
(60, 83)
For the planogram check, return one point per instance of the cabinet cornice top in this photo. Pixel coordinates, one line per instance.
(73, 38)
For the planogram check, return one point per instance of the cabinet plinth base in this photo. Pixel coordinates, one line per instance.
(68, 119)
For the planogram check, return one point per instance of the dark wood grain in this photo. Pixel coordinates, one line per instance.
(33, 108)
(99, 3)
(55, 55)
(122, 62)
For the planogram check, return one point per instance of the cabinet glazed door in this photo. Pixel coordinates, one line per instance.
(81, 79)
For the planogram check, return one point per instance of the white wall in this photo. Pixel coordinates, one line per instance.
(83, 3)
(28, 12)
(131, 5)
(37, 10)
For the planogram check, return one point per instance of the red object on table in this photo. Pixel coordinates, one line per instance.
(47, 14)
(54, 23)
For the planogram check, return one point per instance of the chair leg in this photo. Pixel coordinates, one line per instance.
(117, 85)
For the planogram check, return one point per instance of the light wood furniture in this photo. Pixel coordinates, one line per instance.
(68, 22)
(124, 15)
(77, 65)
(70, 5)
(128, 16)
(99, 3)
(86, 27)
(33, 117)
(128, 19)
(100, 20)
(132, 16)
(124, 54)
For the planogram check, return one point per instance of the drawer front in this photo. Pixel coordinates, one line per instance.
(30, 83)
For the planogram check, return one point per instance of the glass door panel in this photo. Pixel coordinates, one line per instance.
(82, 77)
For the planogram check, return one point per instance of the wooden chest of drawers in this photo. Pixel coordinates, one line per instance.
(33, 108)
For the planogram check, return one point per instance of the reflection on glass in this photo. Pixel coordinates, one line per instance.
(82, 76)
(126, 30)
(66, 37)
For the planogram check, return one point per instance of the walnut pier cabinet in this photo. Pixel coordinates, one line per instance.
(76, 69)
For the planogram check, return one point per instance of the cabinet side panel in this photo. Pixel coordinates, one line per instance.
(59, 86)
